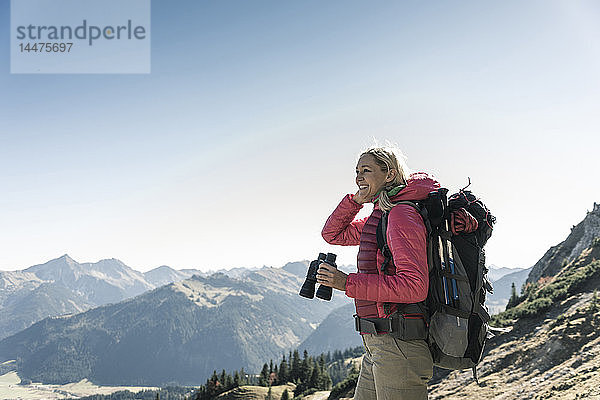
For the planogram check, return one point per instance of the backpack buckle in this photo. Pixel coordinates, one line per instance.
(374, 326)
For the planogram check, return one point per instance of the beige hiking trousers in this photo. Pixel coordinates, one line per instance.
(394, 369)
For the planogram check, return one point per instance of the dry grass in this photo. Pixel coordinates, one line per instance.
(10, 388)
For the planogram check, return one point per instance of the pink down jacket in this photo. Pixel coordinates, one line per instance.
(406, 236)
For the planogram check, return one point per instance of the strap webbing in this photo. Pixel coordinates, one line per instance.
(452, 311)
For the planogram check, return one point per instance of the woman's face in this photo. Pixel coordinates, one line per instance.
(369, 176)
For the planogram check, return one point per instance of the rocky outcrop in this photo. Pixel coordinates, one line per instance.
(581, 237)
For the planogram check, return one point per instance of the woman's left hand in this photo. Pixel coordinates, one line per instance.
(329, 275)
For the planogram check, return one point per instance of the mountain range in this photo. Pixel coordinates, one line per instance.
(178, 333)
(497, 301)
(64, 286)
(495, 273)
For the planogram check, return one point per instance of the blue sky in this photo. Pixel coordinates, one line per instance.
(242, 139)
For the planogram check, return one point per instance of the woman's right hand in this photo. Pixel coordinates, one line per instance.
(362, 196)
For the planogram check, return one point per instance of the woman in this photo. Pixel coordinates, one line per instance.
(393, 367)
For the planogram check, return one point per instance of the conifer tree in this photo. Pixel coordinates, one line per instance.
(214, 379)
(264, 376)
(228, 383)
(305, 370)
(283, 371)
(211, 388)
(514, 298)
(285, 395)
(337, 355)
(295, 370)
(314, 379)
(236, 379)
(223, 378)
(324, 378)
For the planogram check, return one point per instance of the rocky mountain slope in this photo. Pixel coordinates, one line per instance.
(580, 238)
(178, 333)
(47, 299)
(63, 286)
(107, 281)
(25, 299)
(553, 350)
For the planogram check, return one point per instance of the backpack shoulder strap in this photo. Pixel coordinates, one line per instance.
(422, 210)
(382, 244)
(381, 232)
(382, 225)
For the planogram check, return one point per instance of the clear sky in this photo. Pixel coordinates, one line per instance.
(244, 137)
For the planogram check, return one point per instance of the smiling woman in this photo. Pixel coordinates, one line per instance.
(396, 365)
(379, 169)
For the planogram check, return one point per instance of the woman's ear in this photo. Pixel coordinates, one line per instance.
(391, 175)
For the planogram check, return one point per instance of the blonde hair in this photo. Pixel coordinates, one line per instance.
(389, 158)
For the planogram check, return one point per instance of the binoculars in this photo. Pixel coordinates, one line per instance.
(308, 287)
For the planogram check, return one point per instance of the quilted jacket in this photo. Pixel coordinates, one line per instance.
(406, 237)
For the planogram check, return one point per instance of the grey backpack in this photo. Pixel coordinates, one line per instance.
(455, 307)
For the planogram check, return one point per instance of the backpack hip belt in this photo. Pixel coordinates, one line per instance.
(404, 326)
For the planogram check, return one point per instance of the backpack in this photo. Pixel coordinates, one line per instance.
(456, 314)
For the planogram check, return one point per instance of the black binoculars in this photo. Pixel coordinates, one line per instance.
(308, 287)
